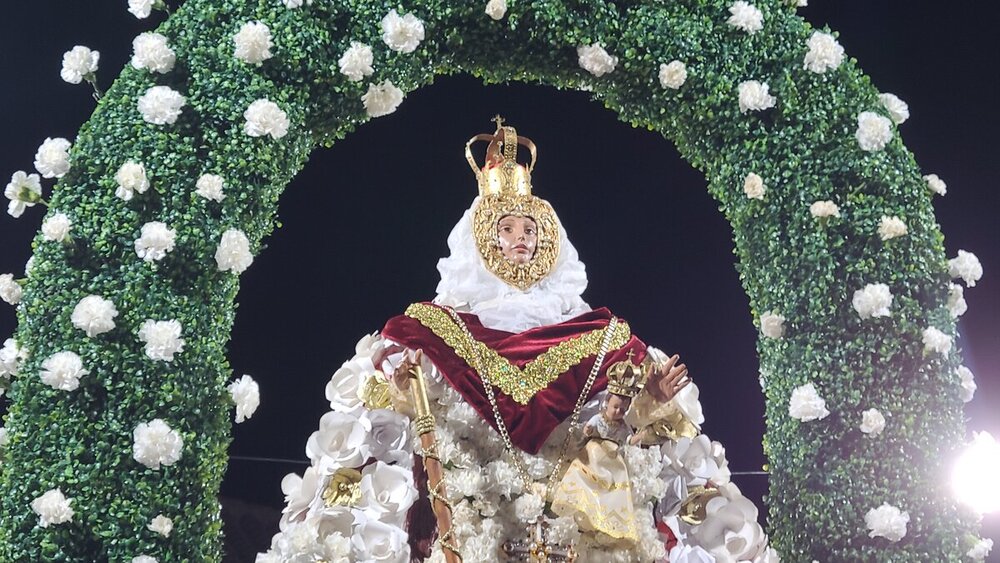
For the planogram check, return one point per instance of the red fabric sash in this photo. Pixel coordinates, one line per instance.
(529, 425)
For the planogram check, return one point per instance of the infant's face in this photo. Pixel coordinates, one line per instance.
(616, 407)
(517, 237)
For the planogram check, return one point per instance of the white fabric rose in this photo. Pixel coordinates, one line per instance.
(966, 266)
(233, 253)
(891, 227)
(595, 60)
(806, 404)
(529, 507)
(151, 51)
(56, 228)
(24, 190)
(874, 131)
(253, 43)
(402, 33)
(155, 241)
(887, 521)
(754, 96)
(375, 542)
(673, 74)
(144, 559)
(52, 508)
(94, 315)
(78, 64)
(246, 394)
(382, 99)
(898, 110)
(936, 341)
(131, 178)
(968, 383)
(356, 62)
(161, 525)
(936, 184)
(264, 117)
(956, 300)
(873, 300)
(746, 17)
(209, 186)
(52, 157)
(872, 422)
(981, 550)
(753, 186)
(772, 325)
(155, 444)
(10, 290)
(161, 105)
(496, 9)
(141, 8)
(387, 492)
(822, 209)
(824, 54)
(62, 371)
(343, 438)
(162, 339)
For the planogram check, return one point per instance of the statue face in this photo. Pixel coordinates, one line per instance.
(616, 407)
(517, 238)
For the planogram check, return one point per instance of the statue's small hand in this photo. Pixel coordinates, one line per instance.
(666, 382)
(401, 377)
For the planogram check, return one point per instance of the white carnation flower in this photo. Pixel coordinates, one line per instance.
(382, 99)
(825, 53)
(79, 63)
(151, 51)
(981, 550)
(343, 438)
(968, 383)
(872, 422)
(745, 16)
(967, 267)
(800, 3)
(94, 315)
(936, 341)
(873, 300)
(822, 209)
(503, 479)
(246, 394)
(155, 241)
(209, 186)
(264, 117)
(10, 290)
(402, 33)
(144, 559)
(673, 74)
(52, 508)
(155, 444)
(936, 184)
(564, 530)
(62, 371)
(142, 8)
(898, 110)
(356, 62)
(233, 252)
(754, 96)
(162, 339)
(253, 43)
(56, 228)
(24, 190)
(496, 9)
(161, 105)
(292, 4)
(891, 227)
(378, 542)
(806, 404)
(387, 492)
(753, 186)
(956, 300)
(131, 178)
(161, 525)
(11, 356)
(595, 60)
(887, 521)
(874, 131)
(52, 158)
(772, 325)
(4, 440)
(529, 507)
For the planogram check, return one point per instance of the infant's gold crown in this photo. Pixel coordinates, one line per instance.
(627, 378)
(501, 174)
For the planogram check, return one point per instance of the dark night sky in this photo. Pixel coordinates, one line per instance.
(366, 221)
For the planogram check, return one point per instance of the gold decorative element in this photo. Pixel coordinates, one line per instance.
(521, 384)
(673, 427)
(343, 488)
(694, 508)
(627, 378)
(423, 424)
(375, 392)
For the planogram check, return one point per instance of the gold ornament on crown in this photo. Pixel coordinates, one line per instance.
(626, 378)
(505, 189)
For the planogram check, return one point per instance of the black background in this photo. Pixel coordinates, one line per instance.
(366, 221)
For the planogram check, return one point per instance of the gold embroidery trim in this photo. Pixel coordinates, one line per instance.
(521, 384)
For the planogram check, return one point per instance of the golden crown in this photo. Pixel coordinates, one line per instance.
(626, 378)
(501, 174)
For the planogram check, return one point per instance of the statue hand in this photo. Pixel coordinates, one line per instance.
(401, 377)
(668, 380)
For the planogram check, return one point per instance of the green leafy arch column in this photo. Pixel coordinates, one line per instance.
(832, 220)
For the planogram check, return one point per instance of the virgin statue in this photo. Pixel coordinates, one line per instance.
(507, 420)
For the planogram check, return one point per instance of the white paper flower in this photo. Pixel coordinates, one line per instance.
(10, 290)
(144, 559)
(299, 493)
(233, 252)
(343, 438)
(155, 444)
(891, 227)
(824, 54)
(253, 43)
(382, 99)
(595, 60)
(94, 315)
(745, 16)
(161, 105)
(62, 371)
(264, 117)
(356, 62)
(956, 300)
(387, 492)
(873, 300)
(246, 394)
(981, 550)
(898, 110)
(806, 404)
(376, 542)
(79, 63)
(56, 227)
(936, 341)
(162, 339)
(151, 51)
(24, 190)
(967, 267)
(936, 184)
(52, 508)
(968, 383)
(496, 9)
(874, 131)
(131, 178)
(155, 241)
(887, 521)
(390, 437)
(673, 75)
(872, 422)
(161, 525)
(52, 158)
(772, 325)
(823, 209)
(753, 186)
(141, 8)
(292, 4)
(402, 33)
(529, 507)
(11, 356)
(754, 96)
(209, 186)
